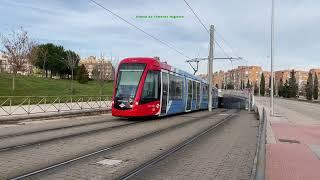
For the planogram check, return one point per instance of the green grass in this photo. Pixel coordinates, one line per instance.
(36, 86)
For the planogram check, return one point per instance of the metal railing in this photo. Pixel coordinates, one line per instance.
(258, 169)
(26, 105)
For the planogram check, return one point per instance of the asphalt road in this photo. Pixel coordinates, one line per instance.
(295, 110)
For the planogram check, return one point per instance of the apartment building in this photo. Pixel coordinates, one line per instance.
(253, 74)
(243, 74)
(4, 64)
(301, 78)
(92, 61)
(218, 78)
(315, 71)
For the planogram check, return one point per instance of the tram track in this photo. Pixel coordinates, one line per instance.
(172, 150)
(68, 136)
(115, 146)
(2, 149)
(56, 128)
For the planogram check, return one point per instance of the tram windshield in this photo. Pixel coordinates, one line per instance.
(129, 76)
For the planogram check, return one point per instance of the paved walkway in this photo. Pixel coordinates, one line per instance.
(293, 140)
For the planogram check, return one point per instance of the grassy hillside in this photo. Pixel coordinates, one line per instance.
(35, 86)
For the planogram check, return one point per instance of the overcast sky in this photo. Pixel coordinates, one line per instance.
(84, 27)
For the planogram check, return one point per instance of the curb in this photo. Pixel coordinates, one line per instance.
(258, 168)
(16, 119)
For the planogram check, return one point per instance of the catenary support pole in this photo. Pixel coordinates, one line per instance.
(210, 63)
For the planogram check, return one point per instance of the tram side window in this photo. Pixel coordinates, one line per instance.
(194, 91)
(151, 87)
(175, 90)
(198, 91)
(205, 92)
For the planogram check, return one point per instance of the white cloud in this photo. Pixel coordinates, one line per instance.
(245, 24)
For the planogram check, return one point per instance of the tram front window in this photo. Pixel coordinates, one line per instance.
(151, 88)
(129, 76)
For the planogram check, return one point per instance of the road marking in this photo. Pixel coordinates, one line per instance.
(109, 162)
(223, 114)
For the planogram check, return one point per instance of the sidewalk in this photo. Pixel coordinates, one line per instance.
(293, 144)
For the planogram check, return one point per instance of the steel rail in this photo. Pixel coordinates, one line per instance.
(54, 129)
(67, 136)
(172, 150)
(112, 147)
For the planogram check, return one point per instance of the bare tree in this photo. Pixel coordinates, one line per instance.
(101, 73)
(2, 64)
(33, 55)
(115, 64)
(17, 48)
(71, 61)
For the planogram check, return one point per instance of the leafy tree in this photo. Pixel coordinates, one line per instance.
(293, 86)
(256, 89)
(41, 54)
(280, 88)
(274, 87)
(315, 87)
(230, 86)
(56, 61)
(309, 87)
(83, 76)
(50, 57)
(243, 84)
(285, 91)
(262, 85)
(248, 84)
(269, 89)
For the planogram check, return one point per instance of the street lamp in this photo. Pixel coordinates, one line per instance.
(272, 57)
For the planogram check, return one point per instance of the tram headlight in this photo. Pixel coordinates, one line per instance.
(130, 103)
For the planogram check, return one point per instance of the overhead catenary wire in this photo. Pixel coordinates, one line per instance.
(207, 30)
(197, 17)
(222, 50)
(225, 42)
(140, 29)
